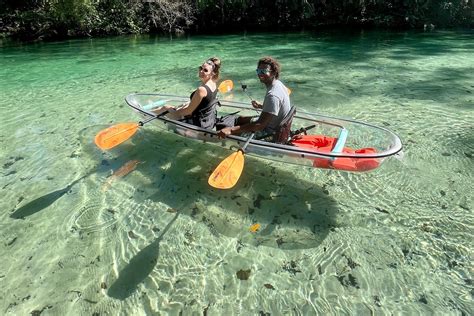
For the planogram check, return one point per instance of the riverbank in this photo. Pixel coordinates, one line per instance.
(43, 20)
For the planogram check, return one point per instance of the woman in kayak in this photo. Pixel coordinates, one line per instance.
(201, 109)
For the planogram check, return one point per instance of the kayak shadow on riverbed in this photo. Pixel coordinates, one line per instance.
(291, 212)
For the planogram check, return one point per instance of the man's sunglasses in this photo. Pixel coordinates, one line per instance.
(262, 71)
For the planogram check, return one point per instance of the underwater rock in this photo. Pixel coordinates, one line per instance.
(131, 234)
(291, 267)
(377, 301)
(38, 312)
(90, 301)
(464, 206)
(348, 280)
(8, 164)
(258, 201)
(351, 263)
(280, 241)
(210, 225)
(243, 274)
(195, 211)
(12, 161)
(239, 246)
(11, 241)
(423, 299)
(381, 210)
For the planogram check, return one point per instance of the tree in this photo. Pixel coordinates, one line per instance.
(171, 16)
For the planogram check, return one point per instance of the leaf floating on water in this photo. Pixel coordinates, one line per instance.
(243, 274)
(103, 285)
(254, 228)
(171, 210)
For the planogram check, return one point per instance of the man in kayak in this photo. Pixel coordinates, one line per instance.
(201, 109)
(275, 107)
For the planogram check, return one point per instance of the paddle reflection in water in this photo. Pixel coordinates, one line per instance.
(128, 167)
(139, 267)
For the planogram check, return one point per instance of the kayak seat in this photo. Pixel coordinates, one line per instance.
(283, 133)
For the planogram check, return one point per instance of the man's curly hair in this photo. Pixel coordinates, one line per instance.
(273, 63)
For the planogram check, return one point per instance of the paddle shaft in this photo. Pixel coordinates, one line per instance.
(247, 142)
(139, 124)
(152, 118)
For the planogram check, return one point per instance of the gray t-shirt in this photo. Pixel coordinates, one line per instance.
(276, 102)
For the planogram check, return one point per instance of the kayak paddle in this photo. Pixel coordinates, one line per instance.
(117, 134)
(228, 172)
(226, 86)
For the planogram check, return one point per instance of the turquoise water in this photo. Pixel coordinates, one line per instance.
(159, 240)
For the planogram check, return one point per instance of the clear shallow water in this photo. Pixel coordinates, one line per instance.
(160, 241)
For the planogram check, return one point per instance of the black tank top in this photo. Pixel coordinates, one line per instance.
(205, 114)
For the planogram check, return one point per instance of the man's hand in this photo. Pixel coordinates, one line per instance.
(223, 133)
(256, 105)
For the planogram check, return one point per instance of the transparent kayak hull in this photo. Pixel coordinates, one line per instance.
(331, 143)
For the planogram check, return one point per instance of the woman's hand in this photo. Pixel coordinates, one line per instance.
(170, 108)
(164, 108)
(256, 105)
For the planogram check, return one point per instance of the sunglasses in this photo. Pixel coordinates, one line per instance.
(205, 70)
(262, 71)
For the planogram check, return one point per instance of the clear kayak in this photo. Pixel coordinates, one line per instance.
(318, 141)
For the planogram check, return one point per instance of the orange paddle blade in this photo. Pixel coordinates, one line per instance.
(226, 86)
(228, 172)
(114, 135)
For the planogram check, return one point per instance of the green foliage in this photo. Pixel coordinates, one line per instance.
(47, 19)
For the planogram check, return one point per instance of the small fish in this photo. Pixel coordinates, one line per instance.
(254, 228)
(128, 167)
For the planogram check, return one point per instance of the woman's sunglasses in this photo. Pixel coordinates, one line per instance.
(205, 70)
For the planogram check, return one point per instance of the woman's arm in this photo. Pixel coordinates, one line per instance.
(188, 109)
